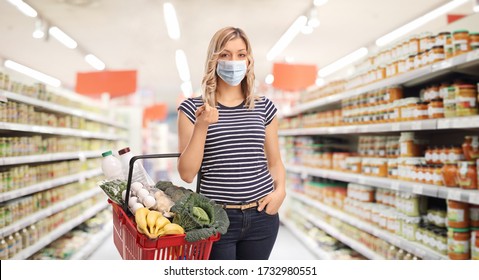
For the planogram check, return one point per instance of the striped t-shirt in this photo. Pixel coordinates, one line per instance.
(234, 168)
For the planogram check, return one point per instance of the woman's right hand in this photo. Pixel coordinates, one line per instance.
(206, 115)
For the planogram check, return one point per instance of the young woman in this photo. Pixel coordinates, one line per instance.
(231, 135)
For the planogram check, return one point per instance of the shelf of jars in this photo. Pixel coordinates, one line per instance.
(469, 196)
(52, 107)
(58, 131)
(44, 213)
(307, 241)
(406, 78)
(79, 177)
(413, 247)
(61, 230)
(34, 158)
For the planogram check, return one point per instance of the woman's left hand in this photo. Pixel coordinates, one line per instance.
(272, 202)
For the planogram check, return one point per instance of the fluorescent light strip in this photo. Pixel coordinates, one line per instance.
(182, 66)
(171, 21)
(24, 8)
(342, 62)
(319, 2)
(287, 37)
(95, 62)
(32, 73)
(403, 30)
(62, 37)
(187, 89)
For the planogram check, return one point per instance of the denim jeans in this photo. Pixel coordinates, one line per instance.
(251, 236)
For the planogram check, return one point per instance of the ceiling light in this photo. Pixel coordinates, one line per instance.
(182, 66)
(319, 2)
(269, 79)
(171, 21)
(40, 27)
(307, 29)
(32, 73)
(62, 37)
(403, 30)
(287, 37)
(342, 62)
(476, 6)
(24, 8)
(187, 89)
(95, 62)
(320, 82)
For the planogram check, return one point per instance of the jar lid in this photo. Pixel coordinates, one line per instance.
(107, 153)
(437, 99)
(460, 31)
(458, 229)
(444, 33)
(438, 47)
(466, 86)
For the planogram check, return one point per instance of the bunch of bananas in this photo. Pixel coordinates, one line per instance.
(153, 224)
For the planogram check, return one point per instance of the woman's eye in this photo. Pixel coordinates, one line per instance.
(224, 55)
(242, 55)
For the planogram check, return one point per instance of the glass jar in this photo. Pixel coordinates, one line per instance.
(458, 243)
(460, 41)
(474, 41)
(421, 111)
(437, 177)
(449, 174)
(441, 38)
(467, 175)
(475, 244)
(474, 215)
(470, 147)
(435, 109)
(436, 54)
(407, 108)
(457, 214)
(450, 102)
(448, 47)
(466, 103)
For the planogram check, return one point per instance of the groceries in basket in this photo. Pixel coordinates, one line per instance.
(153, 224)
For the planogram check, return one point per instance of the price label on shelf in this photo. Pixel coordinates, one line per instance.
(362, 181)
(454, 195)
(3, 96)
(473, 55)
(395, 186)
(444, 123)
(81, 179)
(418, 189)
(416, 125)
(474, 198)
(395, 126)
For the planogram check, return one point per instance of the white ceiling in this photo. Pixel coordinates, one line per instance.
(129, 34)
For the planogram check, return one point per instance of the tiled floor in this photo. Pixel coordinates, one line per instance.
(287, 247)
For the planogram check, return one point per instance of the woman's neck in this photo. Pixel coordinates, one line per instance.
(229, 95)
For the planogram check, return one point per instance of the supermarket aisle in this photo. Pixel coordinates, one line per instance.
(288, 247)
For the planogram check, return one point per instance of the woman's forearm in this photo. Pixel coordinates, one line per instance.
(189, 162)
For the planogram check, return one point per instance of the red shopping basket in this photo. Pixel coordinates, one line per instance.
(133, 245)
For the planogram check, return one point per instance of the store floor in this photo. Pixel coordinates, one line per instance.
(287, 247)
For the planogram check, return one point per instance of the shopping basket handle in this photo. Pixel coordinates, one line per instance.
(130, 173)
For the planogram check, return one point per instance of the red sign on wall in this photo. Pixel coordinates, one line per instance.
(116, 83)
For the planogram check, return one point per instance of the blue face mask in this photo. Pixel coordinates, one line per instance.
(231, 71)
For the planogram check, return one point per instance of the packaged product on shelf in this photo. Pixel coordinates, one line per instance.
(474, 215)
(457, 214)
(450, 102)
(474, 40)
(470, 147)
(466, 103)
(467, 175)
(460, 39)
(449, 174)
(475, 244)
(458, 243)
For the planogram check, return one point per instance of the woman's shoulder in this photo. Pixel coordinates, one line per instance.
(262, 100)
(193, 101)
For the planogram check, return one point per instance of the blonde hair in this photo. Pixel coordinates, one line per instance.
(217, 45)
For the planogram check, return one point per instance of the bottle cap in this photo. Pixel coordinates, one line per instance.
(124, 151)
(107, 153)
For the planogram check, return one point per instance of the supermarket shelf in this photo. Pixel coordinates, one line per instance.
(49, 184)
(58, 232)
(57, 131)
(469, 196)
(52, 107)
(18, 225)
(307, 241)
(334, 232)
(432, 124)
(411, 78)
(49, 157)
(95, 241)
(410, 246)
